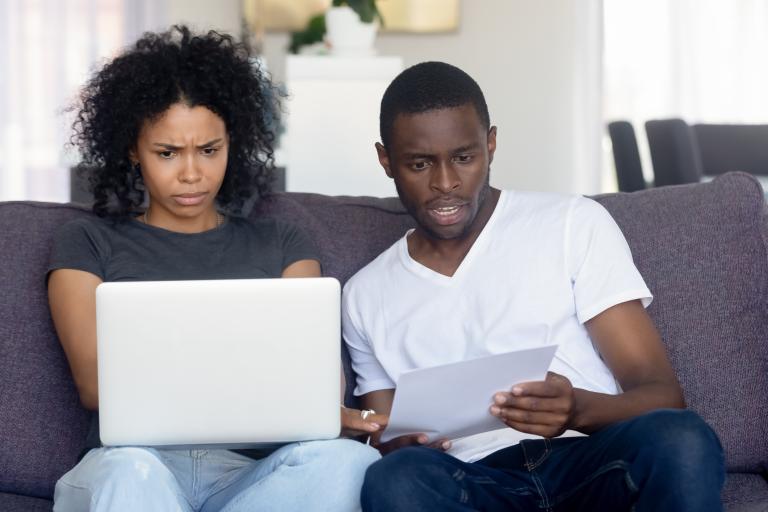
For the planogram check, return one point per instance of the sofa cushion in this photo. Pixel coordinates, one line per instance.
(16, 503)
(349, 231)
(702, 250)
(744, 492)
(43, 425)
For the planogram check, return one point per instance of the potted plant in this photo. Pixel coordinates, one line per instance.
(349, 27)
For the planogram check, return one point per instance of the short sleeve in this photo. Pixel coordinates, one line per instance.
(371, 376)
(296, 244)
(79, 245)
(599, 261)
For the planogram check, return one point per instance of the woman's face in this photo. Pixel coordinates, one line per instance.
(183, 158)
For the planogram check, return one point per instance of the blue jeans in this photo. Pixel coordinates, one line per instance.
(666, 460)
(312, 476)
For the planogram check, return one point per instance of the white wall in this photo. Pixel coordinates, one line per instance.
(538, 63)
(222, 15)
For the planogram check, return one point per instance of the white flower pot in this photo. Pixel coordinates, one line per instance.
(346, 34)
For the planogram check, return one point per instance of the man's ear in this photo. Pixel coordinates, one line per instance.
(491, 143)
(383, 158)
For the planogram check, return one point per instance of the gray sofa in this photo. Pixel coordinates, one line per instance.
(702, 249)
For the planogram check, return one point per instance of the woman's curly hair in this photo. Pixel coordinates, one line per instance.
(162, 69)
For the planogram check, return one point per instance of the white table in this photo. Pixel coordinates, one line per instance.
(333, 122)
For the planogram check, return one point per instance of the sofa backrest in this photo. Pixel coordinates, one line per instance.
(701, 248)
(42, 426)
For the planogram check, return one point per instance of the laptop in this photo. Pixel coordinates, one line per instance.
(220, 363)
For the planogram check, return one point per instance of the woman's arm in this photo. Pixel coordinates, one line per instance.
(72, 299)
(352, 422)
(302, 268)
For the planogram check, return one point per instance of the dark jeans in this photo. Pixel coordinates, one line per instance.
(664, 460)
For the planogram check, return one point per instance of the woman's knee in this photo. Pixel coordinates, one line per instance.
(118, 479)
(127, 466)
(342, 457)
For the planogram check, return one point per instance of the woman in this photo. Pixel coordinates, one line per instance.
(183, 122)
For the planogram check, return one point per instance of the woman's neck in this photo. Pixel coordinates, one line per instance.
(210, 219)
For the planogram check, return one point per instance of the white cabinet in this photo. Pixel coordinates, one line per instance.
(332, 123)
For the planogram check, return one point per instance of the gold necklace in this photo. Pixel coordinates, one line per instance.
(219, 218)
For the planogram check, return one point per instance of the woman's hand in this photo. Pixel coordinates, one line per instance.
(353, 424)
(543, 408)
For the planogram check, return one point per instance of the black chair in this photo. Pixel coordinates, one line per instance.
(626, 157)
(733, 147)
(674, 152)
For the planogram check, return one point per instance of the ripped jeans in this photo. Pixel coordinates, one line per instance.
(666, 460)
(311, 476)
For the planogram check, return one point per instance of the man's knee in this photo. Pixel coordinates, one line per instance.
(680, 446)
(677, 432)
(404, 469)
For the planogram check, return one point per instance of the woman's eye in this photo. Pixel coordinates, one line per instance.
(166, 154)
(210, 151)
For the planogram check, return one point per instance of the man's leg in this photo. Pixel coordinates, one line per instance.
(311, 476)
(423, 479)
(117, 479)
(666, 460)
(678, 462)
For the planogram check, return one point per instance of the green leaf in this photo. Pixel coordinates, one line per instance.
(312, 34)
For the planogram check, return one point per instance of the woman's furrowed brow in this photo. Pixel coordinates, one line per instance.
(176, 147)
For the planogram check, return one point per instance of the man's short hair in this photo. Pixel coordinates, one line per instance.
(429, 86)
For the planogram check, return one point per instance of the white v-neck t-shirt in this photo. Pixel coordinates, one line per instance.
(542, 266)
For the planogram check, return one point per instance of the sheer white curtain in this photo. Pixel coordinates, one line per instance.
(700, 60)
(47, 50)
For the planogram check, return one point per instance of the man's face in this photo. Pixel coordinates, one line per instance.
(440, 163)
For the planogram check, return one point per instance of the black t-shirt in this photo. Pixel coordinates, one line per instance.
(133, 251)
(130, 250)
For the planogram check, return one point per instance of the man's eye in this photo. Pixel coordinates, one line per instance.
(463, 159)
(420, 166)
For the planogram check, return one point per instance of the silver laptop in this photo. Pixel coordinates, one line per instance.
(227, 363)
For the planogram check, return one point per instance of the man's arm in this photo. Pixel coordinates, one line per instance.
(631, 347)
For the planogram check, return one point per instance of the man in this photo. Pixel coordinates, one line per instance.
(488, 271)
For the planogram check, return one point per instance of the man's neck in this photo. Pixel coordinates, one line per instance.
(445, 256)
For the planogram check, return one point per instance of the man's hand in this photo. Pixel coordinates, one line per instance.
(543, 408)
(353, 424)
(408, 440)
